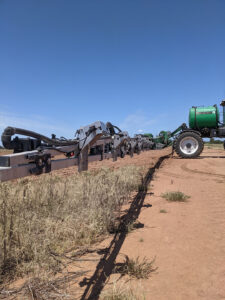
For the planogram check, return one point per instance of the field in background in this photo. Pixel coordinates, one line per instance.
(5, 151)
(214, 146)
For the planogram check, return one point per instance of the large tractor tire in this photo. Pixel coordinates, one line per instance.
(189, 145)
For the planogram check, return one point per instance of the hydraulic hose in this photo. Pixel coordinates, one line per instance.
(112, 128)
(10, 131)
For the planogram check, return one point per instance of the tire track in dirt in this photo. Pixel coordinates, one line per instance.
(185, 168)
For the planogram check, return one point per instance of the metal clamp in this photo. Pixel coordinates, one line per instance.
(42, 162)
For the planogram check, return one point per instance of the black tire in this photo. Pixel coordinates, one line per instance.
(189, 145)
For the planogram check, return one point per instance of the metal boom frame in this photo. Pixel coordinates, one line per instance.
(93, 142)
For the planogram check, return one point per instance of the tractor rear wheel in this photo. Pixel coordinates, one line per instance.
(189, 145)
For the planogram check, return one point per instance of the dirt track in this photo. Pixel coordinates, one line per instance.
(187, 242)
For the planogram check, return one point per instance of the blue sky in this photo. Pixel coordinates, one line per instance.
(139, 64)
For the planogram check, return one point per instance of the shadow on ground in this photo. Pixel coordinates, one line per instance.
(106, 265)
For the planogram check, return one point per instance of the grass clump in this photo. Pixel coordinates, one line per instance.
(119, 295)
(136, 268)
(175, 196)
(41, 219)
(121, 292)
(130, 227)
(163, 211)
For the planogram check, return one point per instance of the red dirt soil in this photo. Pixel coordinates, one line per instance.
(187, 242)
(145, 159)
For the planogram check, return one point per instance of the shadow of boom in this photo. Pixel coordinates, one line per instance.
(106, 265)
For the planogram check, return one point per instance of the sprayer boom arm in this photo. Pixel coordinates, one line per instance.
(36, 153)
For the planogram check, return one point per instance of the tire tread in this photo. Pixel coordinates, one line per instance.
(193, 135)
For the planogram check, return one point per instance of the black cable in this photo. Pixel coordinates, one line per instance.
(10, 131)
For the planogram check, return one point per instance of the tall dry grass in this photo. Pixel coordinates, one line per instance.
(40, 219)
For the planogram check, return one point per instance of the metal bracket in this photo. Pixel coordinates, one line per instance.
(118, 144)
(87, 136)
(42, 162)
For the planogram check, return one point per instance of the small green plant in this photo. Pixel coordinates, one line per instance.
(141, 240)
(163, 211)
(136, 268)
(130, 227)
(175, 196)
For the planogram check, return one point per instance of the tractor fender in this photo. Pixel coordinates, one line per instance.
(191, 130)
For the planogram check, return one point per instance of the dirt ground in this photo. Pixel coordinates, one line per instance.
(145, 159)
(187, 242)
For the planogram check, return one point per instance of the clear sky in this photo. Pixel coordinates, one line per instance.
(140, 64)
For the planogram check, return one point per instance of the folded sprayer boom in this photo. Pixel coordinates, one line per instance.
(36, 154)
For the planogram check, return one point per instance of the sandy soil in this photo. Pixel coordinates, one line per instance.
(187, 242)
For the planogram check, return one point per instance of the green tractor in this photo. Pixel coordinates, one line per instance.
(165, 138)
(204, 122)
(161, 141)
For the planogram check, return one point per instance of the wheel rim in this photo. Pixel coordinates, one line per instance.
(189, 145)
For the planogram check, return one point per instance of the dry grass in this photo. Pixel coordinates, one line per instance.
(214, 146)
(136, 268)
(122, 292)
(175, 196)
(5, 151)
(119, 295)
(41, 219)
(163, 211)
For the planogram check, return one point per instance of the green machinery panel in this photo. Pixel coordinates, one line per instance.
(204, 117)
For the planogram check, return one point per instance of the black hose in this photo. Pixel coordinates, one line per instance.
(10, 131)
(112, 128)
